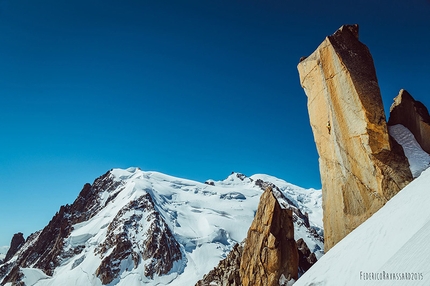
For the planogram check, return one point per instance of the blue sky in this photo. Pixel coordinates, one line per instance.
(194, 89)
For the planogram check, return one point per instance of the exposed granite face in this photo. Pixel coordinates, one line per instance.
(270, 250)
(412, 114)
(361, 166)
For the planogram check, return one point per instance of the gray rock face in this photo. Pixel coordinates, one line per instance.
(413, 115)
(361, 166)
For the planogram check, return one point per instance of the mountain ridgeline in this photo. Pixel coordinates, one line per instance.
(132, 227)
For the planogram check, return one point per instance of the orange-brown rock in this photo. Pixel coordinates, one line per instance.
(413, 115)
(361, 166)
(270, 250)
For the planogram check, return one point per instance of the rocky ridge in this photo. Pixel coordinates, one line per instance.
(269, 255)
(52, 246)
(157, 251)
(412, 114)
(361, 166)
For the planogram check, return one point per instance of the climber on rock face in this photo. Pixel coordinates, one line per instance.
(328, 127)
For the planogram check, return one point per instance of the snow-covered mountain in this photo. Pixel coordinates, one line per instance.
(132, 227)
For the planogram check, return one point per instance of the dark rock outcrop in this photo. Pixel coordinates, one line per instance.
(158, 246)
(16, 243)
(306, 257)
(361, 166)
(45, 248)
(270, 250)
(413, 115)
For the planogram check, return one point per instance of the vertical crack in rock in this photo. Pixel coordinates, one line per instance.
(361, 166)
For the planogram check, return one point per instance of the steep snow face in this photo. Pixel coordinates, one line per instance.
(148, 228)
(390, 248)
(418, 159)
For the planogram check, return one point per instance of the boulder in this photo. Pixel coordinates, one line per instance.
(361, 166)
(270, 250)
(412, 114)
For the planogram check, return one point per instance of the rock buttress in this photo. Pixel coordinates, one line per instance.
(361, 166)
(270, 249)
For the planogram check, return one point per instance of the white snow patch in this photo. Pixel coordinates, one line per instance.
(32, 276)
(419, 160)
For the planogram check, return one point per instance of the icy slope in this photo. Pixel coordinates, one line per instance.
(148, 228)
(418, 159)
(390, 248)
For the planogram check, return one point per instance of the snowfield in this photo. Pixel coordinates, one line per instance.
(390, 248)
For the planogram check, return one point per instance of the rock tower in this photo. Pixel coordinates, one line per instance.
(361, 166)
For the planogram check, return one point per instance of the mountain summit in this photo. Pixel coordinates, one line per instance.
(132, 227)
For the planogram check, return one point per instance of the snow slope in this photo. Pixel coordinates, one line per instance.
(418, 159)
(206, 219)
(390, 248)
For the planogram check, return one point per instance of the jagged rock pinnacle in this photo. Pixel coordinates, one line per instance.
(361, 166)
